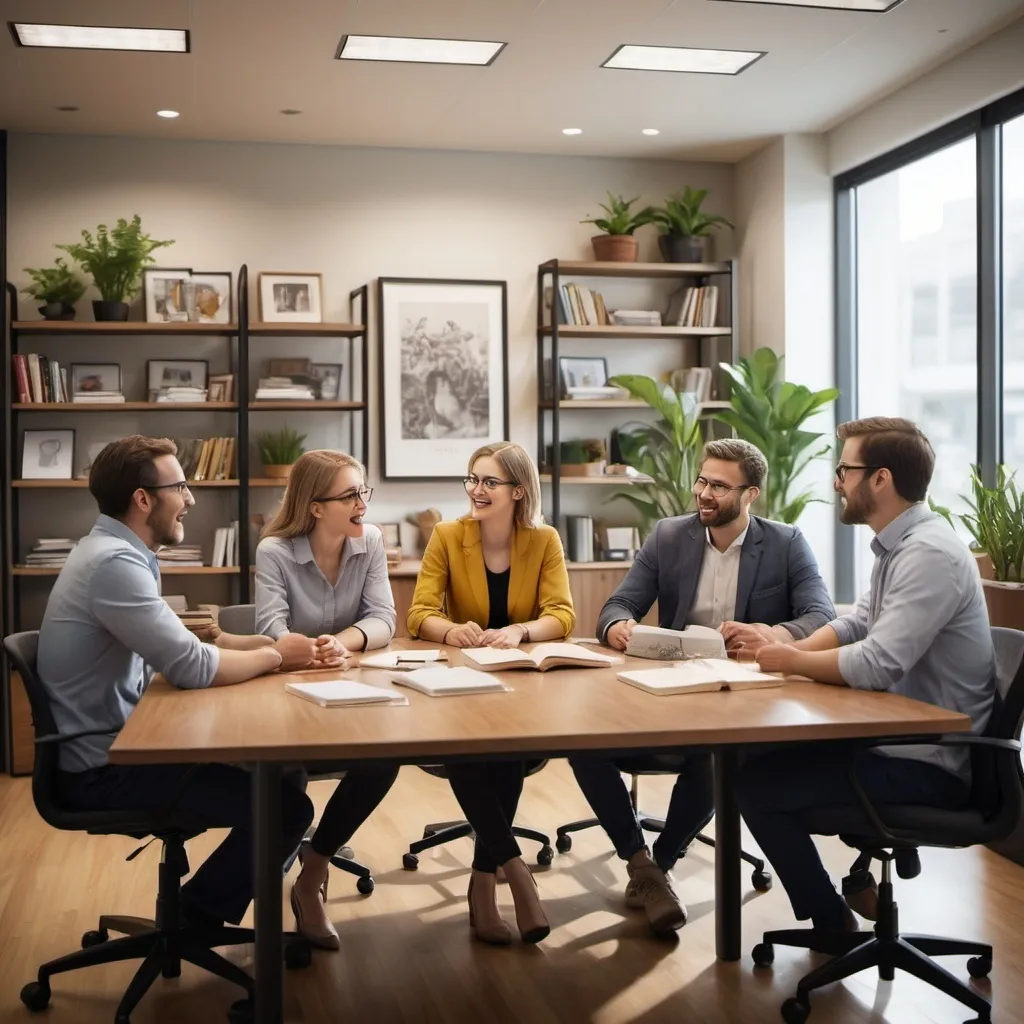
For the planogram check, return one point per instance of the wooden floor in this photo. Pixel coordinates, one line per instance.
(406, 951)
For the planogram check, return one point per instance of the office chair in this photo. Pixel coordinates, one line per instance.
(657, 764)
(893, 833)
(445, 831)
(161, 943)
(241, 619)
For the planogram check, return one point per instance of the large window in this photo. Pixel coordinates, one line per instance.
(1013, 296)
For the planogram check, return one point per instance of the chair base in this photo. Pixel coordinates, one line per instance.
(445, 831)
(343, 860)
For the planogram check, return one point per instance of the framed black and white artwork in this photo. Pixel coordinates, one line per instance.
(443, 350)
(47, 454)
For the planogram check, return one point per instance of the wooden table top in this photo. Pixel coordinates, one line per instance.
(560, 711)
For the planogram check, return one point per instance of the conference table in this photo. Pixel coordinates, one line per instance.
(550, 714)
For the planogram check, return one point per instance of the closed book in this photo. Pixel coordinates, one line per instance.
(446, 682)
(541, 658)
(341, 693)
(700, 675)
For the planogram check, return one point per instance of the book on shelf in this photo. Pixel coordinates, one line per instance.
(694, 306)
(225, 546)
(178, 393)
(209, 458)
(37, 379)
(180, 556)
(636, 318)
(402, 660)
(294, 388)
(97, 397)
(445, 682)
(660, 644)
(49, 553)
(698, 382)
(344, 693)
(541, 658)
(699, 675)
(578, 305)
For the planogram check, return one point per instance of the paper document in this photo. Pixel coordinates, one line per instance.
(441, 682)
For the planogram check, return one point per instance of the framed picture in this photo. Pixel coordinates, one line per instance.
(88, 377)
(443, 374)
(176, 373)
(48, 455)
(212, 296)
(329, 375)
(163, 290)
(286, 298)
(220, 387)
(582, 372)
(392, 534)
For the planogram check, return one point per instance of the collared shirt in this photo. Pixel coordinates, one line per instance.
(715, 599)
(293, 595)
(105, 632)
(922, 630)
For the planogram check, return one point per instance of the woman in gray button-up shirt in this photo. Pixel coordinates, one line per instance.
(322, 573)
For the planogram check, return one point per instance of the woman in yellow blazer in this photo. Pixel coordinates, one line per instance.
(495, 578)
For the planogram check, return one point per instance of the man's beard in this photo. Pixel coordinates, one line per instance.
(162, 525)
(724, 515)
(858, 507)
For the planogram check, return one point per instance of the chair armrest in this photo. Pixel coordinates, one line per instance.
(64, 737)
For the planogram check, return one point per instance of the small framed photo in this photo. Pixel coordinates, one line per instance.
(392, 534)
(211, 295)
(163, 290)
(287, 298)
(220, 387)
(48, 455)
(582, 372)
(176, 373)
(90, 377)
(329, 375)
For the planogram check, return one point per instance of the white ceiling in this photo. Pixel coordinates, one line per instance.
(251, 58)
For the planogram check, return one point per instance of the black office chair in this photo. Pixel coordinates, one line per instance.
(161, 943)
(657, 764)
(894, 833)
(445, 831)
(241, 619)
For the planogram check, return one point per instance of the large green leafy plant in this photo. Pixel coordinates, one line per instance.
(115, 257)
(620, 220)
(55, 284)
(666, 451)
(996, 522)
(769, 412)
(280, 447)
(681, 215)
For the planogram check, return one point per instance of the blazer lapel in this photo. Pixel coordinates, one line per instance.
(750, 558)
(688, 571)
(473, 552)
(520, 566)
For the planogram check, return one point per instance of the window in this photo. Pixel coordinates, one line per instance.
(1013, 296)
(924, 316)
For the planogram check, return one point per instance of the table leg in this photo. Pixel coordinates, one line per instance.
(728, 904)
(269, 963)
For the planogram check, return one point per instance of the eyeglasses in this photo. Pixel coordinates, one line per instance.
(364, 494)
(844, 466)
(719, 490)
(491, 483)
(181, 485)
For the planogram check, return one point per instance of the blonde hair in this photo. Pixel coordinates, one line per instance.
(518, 466)
(311, 478)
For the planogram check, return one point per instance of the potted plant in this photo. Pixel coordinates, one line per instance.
(685, 229)
(583, 457)
(115, 258)
(279, 450)
(57, 288)
(617, 244)
(769, 412)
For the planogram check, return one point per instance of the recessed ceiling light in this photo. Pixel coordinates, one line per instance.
(650, 131)
(167, 113)
(682, 58)
(419, 51)
(68, 110)
(877, 6)
(572, 131)
(100, 37)
(290, 111)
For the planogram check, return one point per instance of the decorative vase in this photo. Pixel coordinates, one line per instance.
(615, 248)
(103, 310)
(57, 311)
(683, 248)
(278, 472)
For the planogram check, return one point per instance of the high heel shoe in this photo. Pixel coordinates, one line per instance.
(327, 877)
(530, 919)
(325, 940)
(497, 934)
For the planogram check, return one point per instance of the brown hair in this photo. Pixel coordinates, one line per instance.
(749, 458)
(122, 468)
(518, 466)
(896, 445)
(311, 478)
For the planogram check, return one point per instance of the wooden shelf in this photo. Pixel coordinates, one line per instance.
(300, 404)
(63, 484)
(184, 570)
(618, 331)
(268, 481)
(600, 403)
(123, 406)
(59, 328)
(618, 481)
(592, 268)
(307, 330)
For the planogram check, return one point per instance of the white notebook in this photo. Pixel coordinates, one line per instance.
(441, 682)
(343, 692)
(402, 659)
(699, 676)
(540, 659)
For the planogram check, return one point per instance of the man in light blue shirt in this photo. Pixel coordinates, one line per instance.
(107, 630)
(922, 631)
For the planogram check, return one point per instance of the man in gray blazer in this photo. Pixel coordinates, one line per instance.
(753, 579)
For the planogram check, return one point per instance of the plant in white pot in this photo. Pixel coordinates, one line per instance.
(279, 450)
(616, 244)
(685, 229)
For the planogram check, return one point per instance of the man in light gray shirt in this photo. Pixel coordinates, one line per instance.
(922, 631)
(107, 630)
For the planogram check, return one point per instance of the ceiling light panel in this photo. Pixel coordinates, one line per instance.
(874, 6)
(682, 58)
(99, 37)
(419, 51)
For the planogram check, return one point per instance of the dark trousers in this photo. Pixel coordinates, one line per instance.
(690, 808)
(488, 793)
(354, 799)
(218, 795)
(775, 789)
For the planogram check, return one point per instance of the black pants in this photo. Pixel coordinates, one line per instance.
(690, 808)
(354, 799)
(218, 795)
(488, 793)
(775, 789)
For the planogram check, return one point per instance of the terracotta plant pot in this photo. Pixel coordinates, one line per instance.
(985, 568)
(583, 468)
(278, 472)
(615, 248)
(1005, 603)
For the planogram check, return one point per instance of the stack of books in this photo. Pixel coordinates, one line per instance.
(97, 397)
(178, 394)
(225, 546)
(199, 618)
(579, 305)
(49, 553)
(179, 556)
(637, 318)
(694, 307)
(210, 458)
(37, 379)
(283, 389)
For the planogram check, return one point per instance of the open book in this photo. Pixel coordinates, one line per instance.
(441, 682)
(699, 676)
(668, 644)
(540, 659)
(342, 692)
(402, 659)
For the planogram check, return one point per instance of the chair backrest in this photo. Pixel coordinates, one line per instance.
(238, 618)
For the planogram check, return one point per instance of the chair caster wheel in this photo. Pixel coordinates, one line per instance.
(410, 861)
(297, 955)
(545, 855)
(761, 880)
(94, 938)
(563, 844)
(763, 954)
(795, 1011)
(365, 885)
(36, 995)
(979, 966)
(347, 853)
(241, 1012)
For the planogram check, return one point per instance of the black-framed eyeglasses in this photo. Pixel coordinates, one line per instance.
(181, 485)
(717, 488)
(844, 466)
(491, 483)
(363, 494)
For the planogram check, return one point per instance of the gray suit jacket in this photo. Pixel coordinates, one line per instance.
(778, 583)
